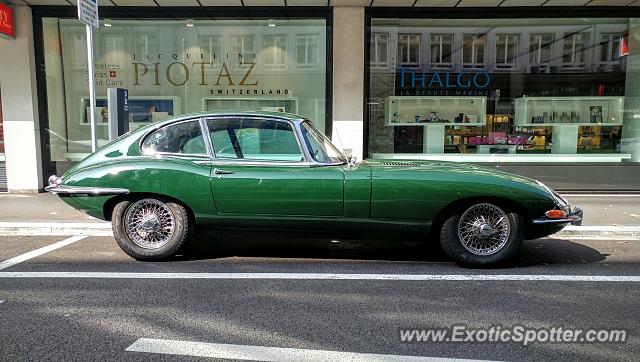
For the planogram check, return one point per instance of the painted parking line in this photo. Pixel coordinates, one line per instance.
(32, 254)
(260, 353)
(28, 228)
(328, 276)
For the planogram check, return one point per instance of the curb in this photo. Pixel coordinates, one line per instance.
(610, 232)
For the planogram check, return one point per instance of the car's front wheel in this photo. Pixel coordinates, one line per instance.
(483, 234)
(150, 228)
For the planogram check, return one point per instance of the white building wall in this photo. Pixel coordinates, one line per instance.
(348, 78)
(20, 106)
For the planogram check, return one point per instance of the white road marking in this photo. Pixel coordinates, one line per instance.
(260, 353)
(32, 254)
(55, 228)
(329, 276)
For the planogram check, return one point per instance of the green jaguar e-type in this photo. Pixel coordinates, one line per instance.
(253, 170)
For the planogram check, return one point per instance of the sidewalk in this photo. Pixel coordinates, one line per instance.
(617, 216)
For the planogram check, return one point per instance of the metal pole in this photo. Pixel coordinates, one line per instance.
(92, 88)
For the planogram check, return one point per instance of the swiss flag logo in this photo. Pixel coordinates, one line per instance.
(112, 74)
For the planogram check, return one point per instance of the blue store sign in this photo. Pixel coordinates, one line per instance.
(410, 82)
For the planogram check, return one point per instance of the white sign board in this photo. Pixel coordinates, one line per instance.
(88, 12)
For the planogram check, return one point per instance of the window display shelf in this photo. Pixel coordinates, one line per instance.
(574, 111)
(435, 110)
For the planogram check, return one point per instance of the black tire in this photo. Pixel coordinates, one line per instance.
(176, 240)
(452, 245)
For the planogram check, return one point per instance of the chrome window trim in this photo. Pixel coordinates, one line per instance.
(211, 156)
(308, 153)
(207, 137)
(161, 126)
(253, 162)
(257, 163)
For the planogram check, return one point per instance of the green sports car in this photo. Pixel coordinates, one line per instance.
(253, 170)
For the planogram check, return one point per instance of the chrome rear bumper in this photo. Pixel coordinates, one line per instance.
(57, 188)
(573, 218)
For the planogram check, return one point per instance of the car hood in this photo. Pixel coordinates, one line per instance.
(464, 170)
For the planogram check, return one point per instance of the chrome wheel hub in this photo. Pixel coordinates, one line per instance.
(149, 223)
(484, 229)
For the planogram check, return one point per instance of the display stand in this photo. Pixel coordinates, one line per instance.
(433, 140)
(565, 138)
(434, 114)
(566, 114)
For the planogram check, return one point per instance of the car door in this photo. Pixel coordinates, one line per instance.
(259, 168)
(181, 166)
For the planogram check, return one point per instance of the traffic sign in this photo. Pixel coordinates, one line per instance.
(88, 12)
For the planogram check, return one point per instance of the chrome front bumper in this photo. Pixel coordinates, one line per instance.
(573, 218)
(57, 188)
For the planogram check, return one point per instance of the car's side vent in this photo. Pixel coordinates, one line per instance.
(403, 164)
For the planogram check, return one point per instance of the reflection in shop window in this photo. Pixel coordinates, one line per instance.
(473, 50)
(527, 114)
(275, 52)
(79, 51)
(409, 49)
(307, 51)
(209, 48)
(610, 49)
(379, 50)
(540, 51)
(146, 44)
(112, 46)
(150, 58)
(441, 47)
(575, 46)
(506, 51)
(242, 49)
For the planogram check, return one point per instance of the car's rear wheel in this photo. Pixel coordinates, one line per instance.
(150, 228)
(483, 234)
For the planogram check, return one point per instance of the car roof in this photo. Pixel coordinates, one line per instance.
(269, 114)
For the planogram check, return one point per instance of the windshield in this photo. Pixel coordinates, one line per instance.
(320, 148)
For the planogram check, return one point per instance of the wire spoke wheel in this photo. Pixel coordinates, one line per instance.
(484, 229)
(149, 223)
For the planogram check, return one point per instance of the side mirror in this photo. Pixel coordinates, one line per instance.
(348, 152)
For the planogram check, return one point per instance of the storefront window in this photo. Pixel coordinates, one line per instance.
(527, 90)
(176, 67)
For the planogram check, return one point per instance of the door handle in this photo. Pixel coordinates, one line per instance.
(218, 171)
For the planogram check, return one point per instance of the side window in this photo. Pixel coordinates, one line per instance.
(254, 139)
(181, 138)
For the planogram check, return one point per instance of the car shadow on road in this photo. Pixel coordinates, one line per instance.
(271, 244)
(550, 251)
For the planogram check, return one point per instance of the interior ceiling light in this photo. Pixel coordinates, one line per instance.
(272, 23)
(190, 23)
(107, 23)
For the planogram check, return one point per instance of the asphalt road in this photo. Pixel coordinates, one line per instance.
(71, 317)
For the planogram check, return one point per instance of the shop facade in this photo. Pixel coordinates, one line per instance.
(239, 60)
(548, 92)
